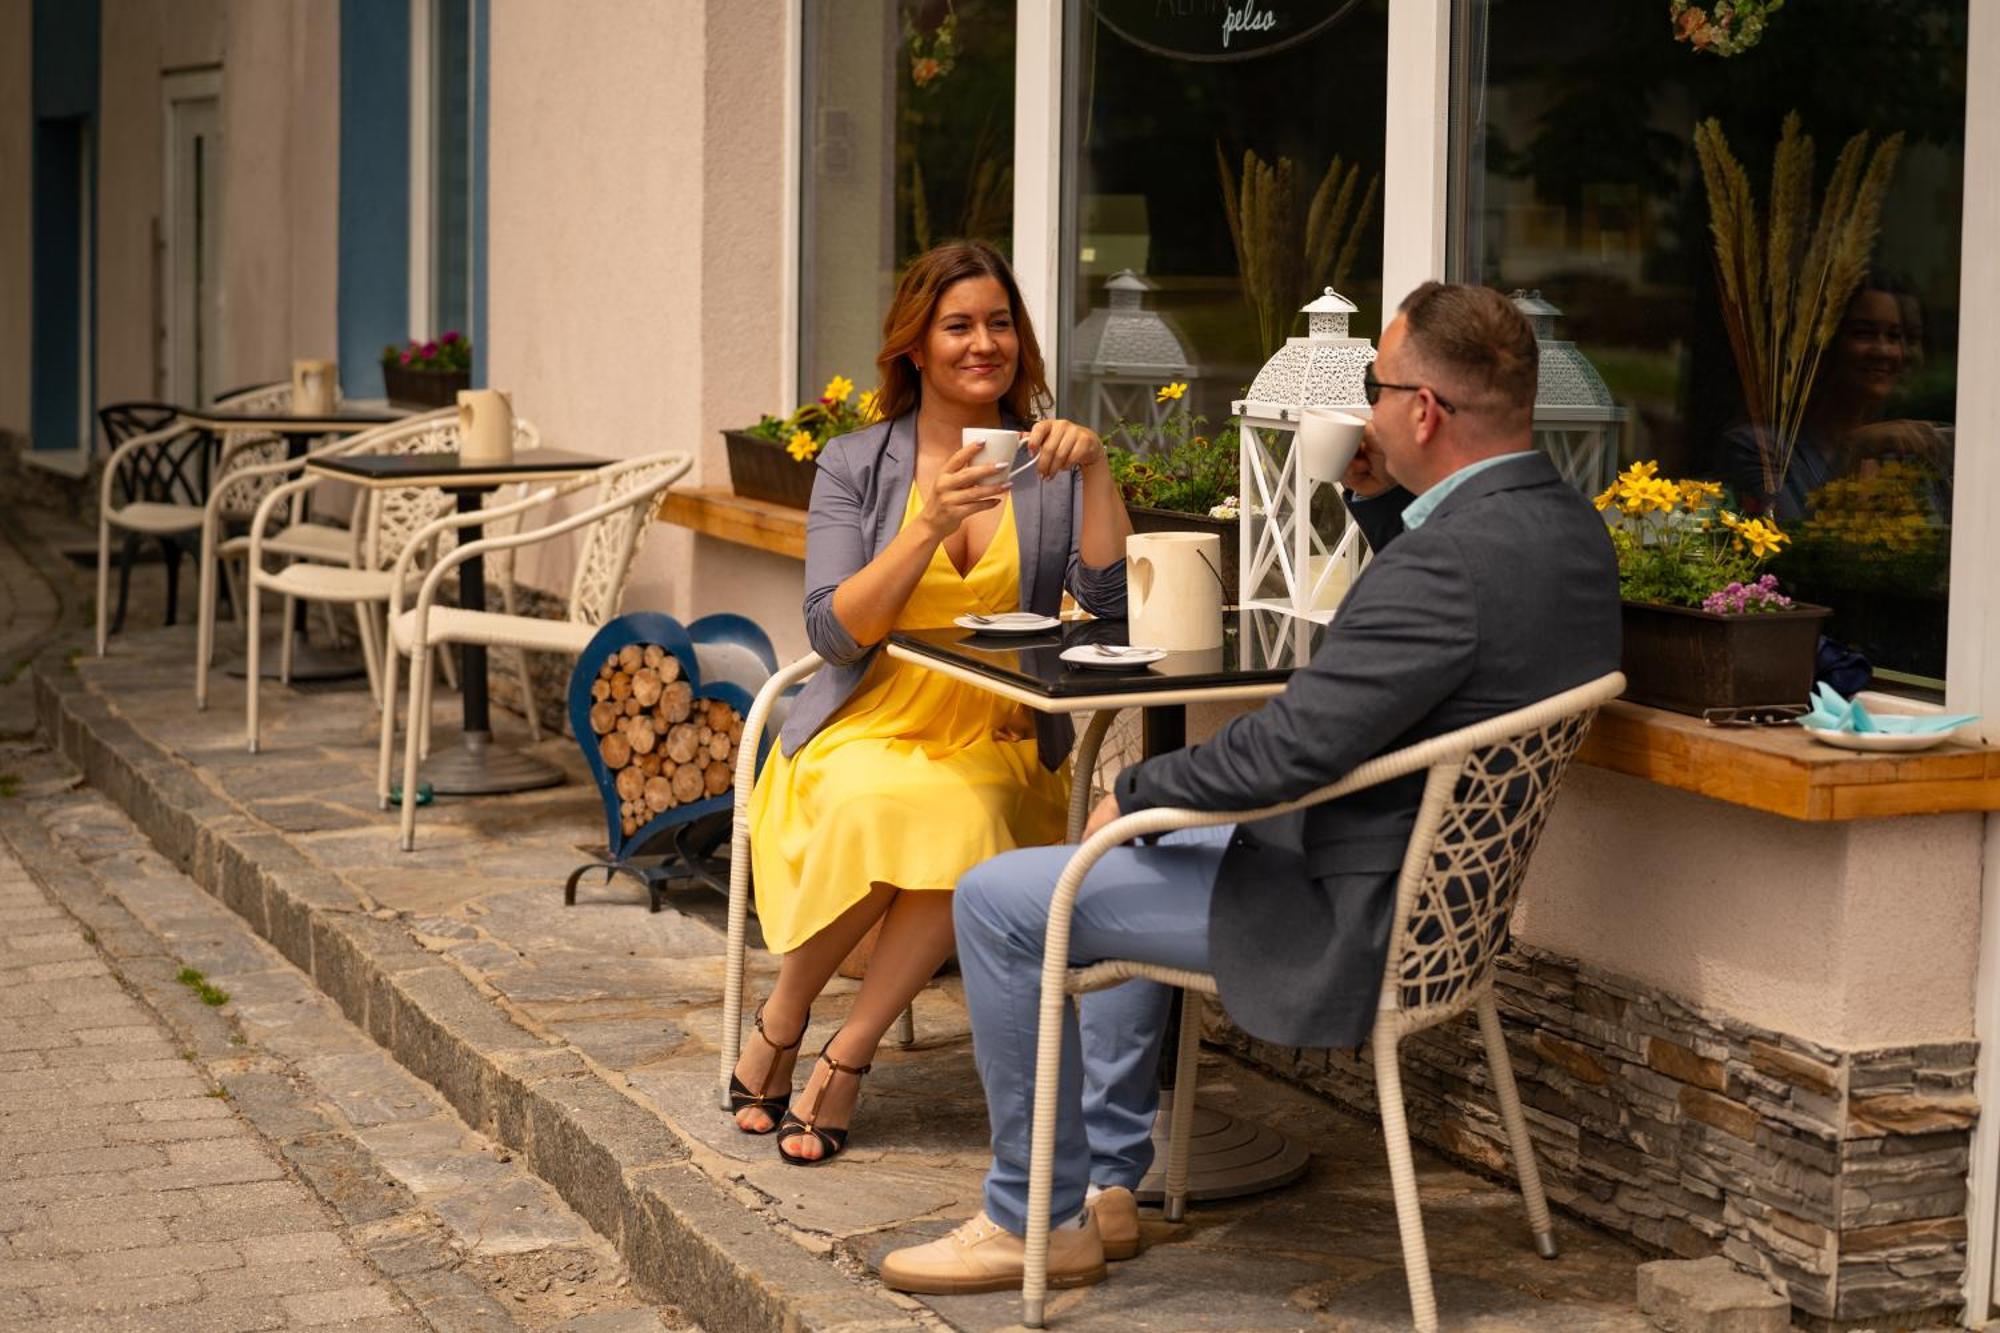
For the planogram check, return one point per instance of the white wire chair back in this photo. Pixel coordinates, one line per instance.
(387, 519)
(613, 541)
(1475, 835)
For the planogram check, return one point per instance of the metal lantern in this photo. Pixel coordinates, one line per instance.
(1124, 353)
(1297, 547)
(1576, 423)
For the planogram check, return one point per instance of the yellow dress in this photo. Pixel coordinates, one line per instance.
(914, 781)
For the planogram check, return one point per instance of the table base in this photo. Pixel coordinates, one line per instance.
(1227, 1158)
(309, 663)
(474, 765)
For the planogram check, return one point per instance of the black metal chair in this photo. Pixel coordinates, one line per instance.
(170, 469)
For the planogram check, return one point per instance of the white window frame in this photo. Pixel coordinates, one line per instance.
(423, 156)
(790, 275)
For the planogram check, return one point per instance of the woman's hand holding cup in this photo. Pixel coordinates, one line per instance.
(1063, 446)
(967, 485)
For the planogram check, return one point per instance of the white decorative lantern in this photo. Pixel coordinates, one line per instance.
(1297, 547)
(1124, 353)
(1576, 423)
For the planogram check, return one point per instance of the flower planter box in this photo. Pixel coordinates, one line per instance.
(761, 469)
(1686, 660)
(1172, 520)
(423, 389)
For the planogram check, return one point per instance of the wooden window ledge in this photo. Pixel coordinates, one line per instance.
(1783, 771)
(721, 513)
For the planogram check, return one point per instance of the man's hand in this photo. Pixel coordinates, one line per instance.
(1368, 475)
(1106, 811)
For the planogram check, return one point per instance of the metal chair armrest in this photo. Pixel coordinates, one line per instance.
(263, 516)
(116, 459)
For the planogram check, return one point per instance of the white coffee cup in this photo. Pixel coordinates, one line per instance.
(995, 446)
(1328, 441)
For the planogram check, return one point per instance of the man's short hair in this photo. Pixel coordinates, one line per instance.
(1477, 337)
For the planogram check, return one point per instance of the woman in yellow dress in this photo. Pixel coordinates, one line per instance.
(890, 781)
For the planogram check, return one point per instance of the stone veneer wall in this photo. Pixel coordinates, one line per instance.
(1840, 1176)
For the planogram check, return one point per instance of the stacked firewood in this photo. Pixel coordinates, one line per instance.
(665, 747)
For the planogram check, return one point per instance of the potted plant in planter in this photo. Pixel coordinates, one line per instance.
(773, 460)
(427, 374)
(1177, 478)
(1705, 627)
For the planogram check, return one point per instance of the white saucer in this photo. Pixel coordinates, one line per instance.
(1089, 655)
(1901, 741)
(1009, 622)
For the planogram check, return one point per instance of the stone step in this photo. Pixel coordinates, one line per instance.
(470, 1236)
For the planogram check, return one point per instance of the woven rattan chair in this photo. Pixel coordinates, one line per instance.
(762, 710)
(1488, 789)
(623, 498)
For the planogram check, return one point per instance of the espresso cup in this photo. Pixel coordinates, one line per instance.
(996, 447)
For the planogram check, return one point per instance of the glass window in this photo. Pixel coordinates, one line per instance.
(1199, 150)
(908, 141)
(451, 167)
(1576, 173)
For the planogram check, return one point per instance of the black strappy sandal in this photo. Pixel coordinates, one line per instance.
(832, 1142)
(742, 1098)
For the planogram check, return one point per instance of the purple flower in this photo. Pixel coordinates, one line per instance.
(449, 338)
(430, 349)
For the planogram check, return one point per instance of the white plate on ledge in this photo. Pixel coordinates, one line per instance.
(1111, 657)
(1881, 741)
(1008, 622)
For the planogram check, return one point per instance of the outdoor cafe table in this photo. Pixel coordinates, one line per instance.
(299, 431)
(475, 766)
(1260, 649)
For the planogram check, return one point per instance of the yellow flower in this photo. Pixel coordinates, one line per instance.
(1763, 537)
(869, 407)
(1170, 392)
(1606, 497)
(1651, 493)
(837, 389)
(802, 445)
(1699, 494)
(1640, 471)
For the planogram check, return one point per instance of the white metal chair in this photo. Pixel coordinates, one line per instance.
(1487, 792)
(249, 476)
(1083, 764)
(626, 495)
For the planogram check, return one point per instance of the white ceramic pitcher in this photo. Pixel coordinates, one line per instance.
(1173, 590)
(312, 387)
(485, 427)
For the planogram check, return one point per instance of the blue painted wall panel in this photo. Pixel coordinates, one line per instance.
(374, 286)
(61, 370)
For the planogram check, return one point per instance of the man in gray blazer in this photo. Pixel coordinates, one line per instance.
(1493, 586)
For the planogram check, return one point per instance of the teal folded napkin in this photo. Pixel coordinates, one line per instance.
(1830, 712)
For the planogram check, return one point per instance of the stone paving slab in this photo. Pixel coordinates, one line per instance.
(472, 924)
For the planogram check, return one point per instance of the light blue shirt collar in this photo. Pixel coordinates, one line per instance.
(1420, 508)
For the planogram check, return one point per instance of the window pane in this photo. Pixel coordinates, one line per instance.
(1160, 117)
(908, 141)
(451, 165)
(1576, 173)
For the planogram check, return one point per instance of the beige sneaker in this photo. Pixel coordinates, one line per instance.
(983, 1256)
(1117, 1214)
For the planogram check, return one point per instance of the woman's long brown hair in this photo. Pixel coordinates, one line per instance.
(923, 285)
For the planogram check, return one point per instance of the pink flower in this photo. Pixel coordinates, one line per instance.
(406, 358)
(430, 349)
(449, 338)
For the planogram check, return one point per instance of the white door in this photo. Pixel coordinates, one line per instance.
(192, 237)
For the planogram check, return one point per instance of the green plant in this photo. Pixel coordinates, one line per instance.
(1726, 28)
(10, 785)
(448, 353)
(1286, 257)
(209, 995)
(1174, 465)
(835, 412)
(1676, 545)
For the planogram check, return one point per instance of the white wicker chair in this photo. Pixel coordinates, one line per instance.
(1487, 792)
(1083, 764)
(621, 513)
(250, 476)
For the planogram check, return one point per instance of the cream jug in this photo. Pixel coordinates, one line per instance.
(1173, 590)
(485, 427)
(312, 388)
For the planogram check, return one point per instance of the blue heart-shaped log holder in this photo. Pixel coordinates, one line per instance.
(741, 658)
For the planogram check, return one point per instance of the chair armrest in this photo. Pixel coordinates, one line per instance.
(230, 480)
(116, 460)
(270, 502)
(425, 536)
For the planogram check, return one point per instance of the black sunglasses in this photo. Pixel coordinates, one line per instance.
(1371, 389)
(1754, 715)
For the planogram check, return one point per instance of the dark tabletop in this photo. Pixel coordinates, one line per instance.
(438, 469)
(355, 416)
(1257, 647)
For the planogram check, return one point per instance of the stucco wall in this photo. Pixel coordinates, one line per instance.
(16, 263)
(1851, 934)
(635, 241)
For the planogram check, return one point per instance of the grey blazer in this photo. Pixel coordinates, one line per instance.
(858, 502)
(1508, 593)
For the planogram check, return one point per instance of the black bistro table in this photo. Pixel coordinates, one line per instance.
(475, 766)
(1230, 1156)
(299, 431)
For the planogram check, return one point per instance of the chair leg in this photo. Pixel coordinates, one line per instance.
(287, 641)
(233, 578)
(103, 584)
(1517, 1126)
(906, 1028)
(1180, 1136)
(1042, 1151)
(1403, 1176)
(332, 623)
(204, 617)
(420, 658)
(128, 556)
(364, 622)
(253, 653)
(528, 696)
(170, 553)
(391, 659)
(450, 662)
(420, 712)
(736, 945)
